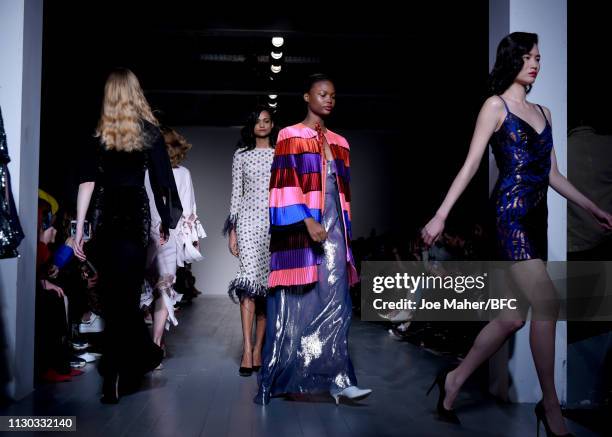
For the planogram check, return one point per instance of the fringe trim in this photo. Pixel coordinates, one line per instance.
(240, 288)
(230, 223)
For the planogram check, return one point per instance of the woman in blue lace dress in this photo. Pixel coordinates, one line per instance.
(520, 134)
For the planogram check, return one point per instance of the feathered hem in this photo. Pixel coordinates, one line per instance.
(230, 223)
(240, 288)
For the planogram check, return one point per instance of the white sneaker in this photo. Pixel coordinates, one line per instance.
(353, 392)
(89, 358)
(79, 345)
(77, 362)
(94, 324)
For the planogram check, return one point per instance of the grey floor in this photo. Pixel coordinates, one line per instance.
(199, 392)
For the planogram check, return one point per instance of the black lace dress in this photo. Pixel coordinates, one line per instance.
(120, 241)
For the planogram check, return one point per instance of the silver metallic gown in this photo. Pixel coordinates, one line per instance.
(306, 346)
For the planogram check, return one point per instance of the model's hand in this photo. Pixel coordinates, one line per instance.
(603, 218)
(233, 243)
(315, 230)
(52, 287)
(78, 243)
(432, 230)
(164, 234)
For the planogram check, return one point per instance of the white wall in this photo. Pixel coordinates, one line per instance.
(11, 43)
(548, 18)
(210, 163)
(20, 83)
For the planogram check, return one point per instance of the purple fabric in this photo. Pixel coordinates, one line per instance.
(293, 259)
(303, 163)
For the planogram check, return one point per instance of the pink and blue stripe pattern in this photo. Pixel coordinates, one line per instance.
(296, 193)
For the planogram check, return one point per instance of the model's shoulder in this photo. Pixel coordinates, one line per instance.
(296, 131)
(338, 139)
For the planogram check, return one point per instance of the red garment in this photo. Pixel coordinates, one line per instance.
(43, 254)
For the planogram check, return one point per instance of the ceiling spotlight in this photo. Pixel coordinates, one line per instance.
(278, 41)
(275, 68)
(272, 105)
(272, 96)
(276, 55)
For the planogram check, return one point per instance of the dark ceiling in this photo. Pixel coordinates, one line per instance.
(416, 71)
(413, 75)
(203, 67)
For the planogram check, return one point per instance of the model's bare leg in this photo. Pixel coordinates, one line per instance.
(247, 314)
(532, 279)
(260, 331)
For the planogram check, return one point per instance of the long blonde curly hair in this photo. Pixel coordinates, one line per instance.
(176, 144)
(124, 105)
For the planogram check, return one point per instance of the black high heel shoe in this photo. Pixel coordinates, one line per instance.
(444, 414)
(110, 389)
(541, 417)
(245, 371)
